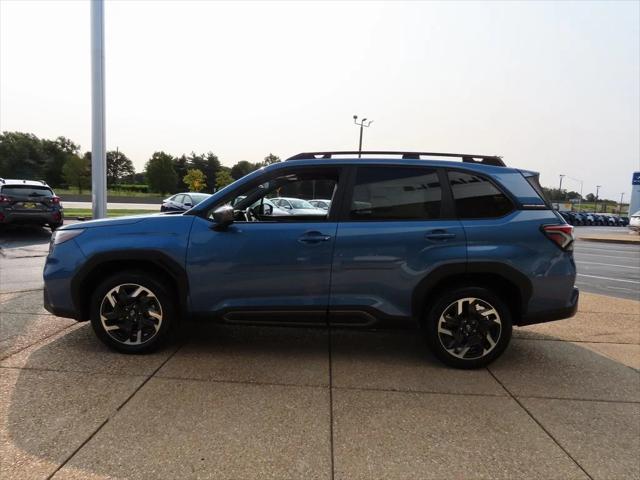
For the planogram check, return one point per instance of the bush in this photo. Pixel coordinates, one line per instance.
(139, 188)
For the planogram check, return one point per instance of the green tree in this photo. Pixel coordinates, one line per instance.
(161, 175)
(243, 168)
(77, 172)
(195, 180)
(223, 178)
(180, 165)
(271, 158)
(119, 167)
(590, 197)
(207, 163)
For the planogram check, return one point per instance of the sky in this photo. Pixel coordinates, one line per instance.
(550, 86)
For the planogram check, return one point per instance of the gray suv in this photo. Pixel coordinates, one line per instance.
(29, 202)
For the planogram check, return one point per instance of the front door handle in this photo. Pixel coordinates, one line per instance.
(314, 237)
(439, 235)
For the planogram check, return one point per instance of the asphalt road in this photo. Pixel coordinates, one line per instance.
(605, 268)
(608, 268)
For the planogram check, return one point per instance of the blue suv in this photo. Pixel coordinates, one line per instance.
(461, 250)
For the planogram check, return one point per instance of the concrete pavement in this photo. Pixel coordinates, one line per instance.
(252, 402)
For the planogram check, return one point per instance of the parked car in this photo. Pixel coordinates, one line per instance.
(590, 219)
(634, 222)
(624, 221)
(461, 250)
(321, 204)
(29, 202)
(567, 217)
(264, 207)
(579, 218)
(181, 202)
(297, 206)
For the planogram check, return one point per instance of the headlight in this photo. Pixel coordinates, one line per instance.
(61, 236)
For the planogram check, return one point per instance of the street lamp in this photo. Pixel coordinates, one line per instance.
(595, 204)
(560, 188)
(620, 207)
(363, 123)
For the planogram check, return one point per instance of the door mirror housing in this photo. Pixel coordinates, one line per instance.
(188, 204)
(223, 216)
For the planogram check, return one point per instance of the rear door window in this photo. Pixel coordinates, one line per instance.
(402, 193)
(476, 197)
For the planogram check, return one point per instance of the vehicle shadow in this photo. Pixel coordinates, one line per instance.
(63, 390)
(22, 236)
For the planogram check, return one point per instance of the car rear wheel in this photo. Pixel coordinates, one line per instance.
(468, 327)
(131, 312)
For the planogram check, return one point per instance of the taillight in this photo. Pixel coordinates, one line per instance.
(4, 199)
(561, 235)
(55, 200)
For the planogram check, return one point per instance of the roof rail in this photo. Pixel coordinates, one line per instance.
(1, 180)
(466, 157)
(43, 182)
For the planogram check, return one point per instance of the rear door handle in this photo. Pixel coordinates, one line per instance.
(439, 235)
(314, 237)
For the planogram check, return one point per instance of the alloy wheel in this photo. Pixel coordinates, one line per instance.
(469, 328)
(130, 314)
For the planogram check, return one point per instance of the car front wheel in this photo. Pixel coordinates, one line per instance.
(468, 327)
(132, 312)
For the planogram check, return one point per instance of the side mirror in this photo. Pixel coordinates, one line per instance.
(264, 210)
(223, 216)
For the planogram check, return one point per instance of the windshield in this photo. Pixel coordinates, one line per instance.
(26, 191)
(301, 204)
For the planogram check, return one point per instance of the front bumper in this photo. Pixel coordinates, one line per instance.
(567, 311)
(57, 311)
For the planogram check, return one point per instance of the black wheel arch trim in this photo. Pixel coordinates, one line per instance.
(452, 270)
(157, 258)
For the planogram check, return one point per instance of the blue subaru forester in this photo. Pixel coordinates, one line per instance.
(461, 250)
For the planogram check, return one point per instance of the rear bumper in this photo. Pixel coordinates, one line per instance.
(36, 217)
(567, 311)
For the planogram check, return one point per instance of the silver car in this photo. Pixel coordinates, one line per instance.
(297, 206)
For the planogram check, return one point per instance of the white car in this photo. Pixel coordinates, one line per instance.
(275, 212)
(321, 204)
(297, 206)
(634, 222)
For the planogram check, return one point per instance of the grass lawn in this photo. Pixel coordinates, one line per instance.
(86, 212)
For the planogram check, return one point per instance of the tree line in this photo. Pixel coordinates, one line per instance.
(60, 163)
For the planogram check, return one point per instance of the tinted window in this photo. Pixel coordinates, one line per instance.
(386, 193)
(477, 197)
(26, 191)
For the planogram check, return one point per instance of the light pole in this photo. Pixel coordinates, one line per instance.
(98, 141)
(595, 204)
(560, 187)
(363, 123)
(581, 187)
(620, 208)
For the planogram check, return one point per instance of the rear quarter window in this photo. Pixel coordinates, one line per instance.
(476, 197)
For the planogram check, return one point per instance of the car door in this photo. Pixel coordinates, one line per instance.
(273, 270)
(395, 230)
(187, 203)
(175, 205)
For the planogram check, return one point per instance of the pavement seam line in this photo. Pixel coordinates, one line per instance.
(526, 410)
(333, 470)
(36, 342)
(95, 432)
(517, 337)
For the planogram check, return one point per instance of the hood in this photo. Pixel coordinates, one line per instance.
(105, 222)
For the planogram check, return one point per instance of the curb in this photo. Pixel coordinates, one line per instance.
(627, 241)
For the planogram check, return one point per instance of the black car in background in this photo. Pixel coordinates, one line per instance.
(181, 202)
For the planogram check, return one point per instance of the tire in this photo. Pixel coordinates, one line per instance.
(142, 315)
(54, 226)
(484, 339)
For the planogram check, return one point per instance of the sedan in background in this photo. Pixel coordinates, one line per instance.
(181, 202)
(297, 206)
(321, 203)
